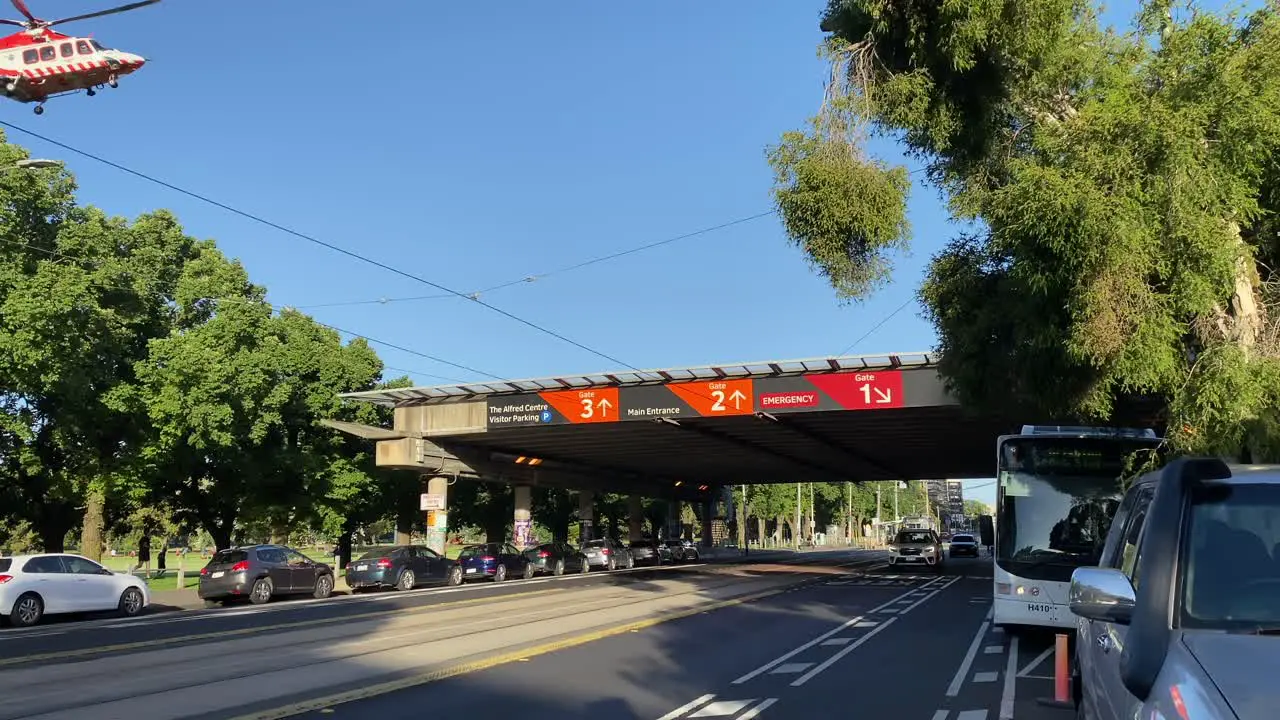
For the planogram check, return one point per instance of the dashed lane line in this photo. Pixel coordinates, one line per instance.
(680, 711)
(827, 635)
(1010, 681)
(836, 658)
(963, 671)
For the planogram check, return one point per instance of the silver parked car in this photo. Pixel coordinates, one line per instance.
(1182, 618)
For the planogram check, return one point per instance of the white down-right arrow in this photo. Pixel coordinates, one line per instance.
(883, 396)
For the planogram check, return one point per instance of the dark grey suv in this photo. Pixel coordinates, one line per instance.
(261, 572)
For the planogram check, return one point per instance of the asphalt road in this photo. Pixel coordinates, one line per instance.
(832, 635)
(870, 644)
(228, 661)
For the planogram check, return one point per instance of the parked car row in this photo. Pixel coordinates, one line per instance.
(33, 586)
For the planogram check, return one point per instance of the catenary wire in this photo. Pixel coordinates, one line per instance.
(314, 240)
(277, 308)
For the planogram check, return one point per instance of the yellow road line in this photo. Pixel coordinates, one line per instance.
(425, 678)
(221, 634)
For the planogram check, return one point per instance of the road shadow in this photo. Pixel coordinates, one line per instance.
(262, 661)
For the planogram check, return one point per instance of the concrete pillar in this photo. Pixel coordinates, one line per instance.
(522, 537)
(674, 527)
(586, 515)
(635, 518)
(438, 520)
(708, 517)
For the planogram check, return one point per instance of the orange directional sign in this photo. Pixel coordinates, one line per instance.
(585, 406)
(714, 398)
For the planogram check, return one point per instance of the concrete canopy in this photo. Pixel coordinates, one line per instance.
(681, 432)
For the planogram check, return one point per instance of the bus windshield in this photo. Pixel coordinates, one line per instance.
(1055, 501)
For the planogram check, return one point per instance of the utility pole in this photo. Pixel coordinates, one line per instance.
(796, 533)
(813, 513)
(896, 515)
(848, 511)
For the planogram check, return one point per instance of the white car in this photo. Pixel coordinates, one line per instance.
(32, 586)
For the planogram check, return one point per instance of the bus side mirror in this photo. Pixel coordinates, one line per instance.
(1102, 594)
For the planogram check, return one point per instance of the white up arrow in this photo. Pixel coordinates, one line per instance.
(737, 397)
(604, 406)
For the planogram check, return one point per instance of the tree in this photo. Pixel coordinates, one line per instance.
(80, 296)
(974, 508)
(1121, 192)
(234, 395)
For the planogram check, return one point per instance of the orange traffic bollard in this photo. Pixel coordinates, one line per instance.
(1061, 674)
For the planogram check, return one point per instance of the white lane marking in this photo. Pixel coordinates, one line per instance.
(986, 677)
(866, 623)
(686, 708)
(836, 658)
(720, 708)
(1026, 671)
(963, 671)
(936, 590)
(836, 641)
(1010, 681)
(790, 668)
(824, 636)
(941, 714)
(993, 649)
(972, 715)
(757, 709)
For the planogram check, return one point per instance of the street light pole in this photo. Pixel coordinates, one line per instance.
(31, 164)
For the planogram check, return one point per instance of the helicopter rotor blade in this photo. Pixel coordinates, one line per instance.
(12, 22)
(100, 13)
(22, 8)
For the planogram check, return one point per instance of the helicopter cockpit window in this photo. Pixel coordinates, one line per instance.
(48, 52)
(67, 49)
(97, 45)
(83, 48)
(30, 56)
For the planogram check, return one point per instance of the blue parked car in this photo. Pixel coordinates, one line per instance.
(493, 560)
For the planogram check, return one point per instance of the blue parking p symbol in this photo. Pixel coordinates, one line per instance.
(546, 416)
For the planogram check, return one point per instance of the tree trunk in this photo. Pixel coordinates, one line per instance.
(54, 524)
(344, 549)
(742, 524)
(91, 531)
(221, 534)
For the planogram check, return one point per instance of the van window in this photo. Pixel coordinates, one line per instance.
(67, 49)
(48, 52)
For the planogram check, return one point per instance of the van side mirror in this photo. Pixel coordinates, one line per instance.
(1103, 594)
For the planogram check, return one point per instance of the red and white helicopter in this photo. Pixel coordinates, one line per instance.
(39, 63)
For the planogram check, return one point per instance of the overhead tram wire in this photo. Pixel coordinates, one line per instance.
(558, 271)
(877, 326)
(317, 241)
(278, 308)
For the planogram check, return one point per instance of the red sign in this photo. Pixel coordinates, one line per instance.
(585, 406)
(776, 400)
(716, 397)
(877, 390)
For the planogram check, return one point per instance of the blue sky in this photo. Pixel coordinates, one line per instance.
(474, 147)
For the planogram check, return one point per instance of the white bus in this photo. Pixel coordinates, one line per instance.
(1057, 490)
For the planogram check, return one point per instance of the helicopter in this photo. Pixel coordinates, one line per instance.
(39, 63)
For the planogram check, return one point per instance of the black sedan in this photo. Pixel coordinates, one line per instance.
(402, 567)
(556, 558)
(648, 552)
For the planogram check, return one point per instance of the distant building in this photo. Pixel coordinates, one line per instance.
(955, 503)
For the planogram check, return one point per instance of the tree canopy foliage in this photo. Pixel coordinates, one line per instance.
(142, 374)
(1123, 185)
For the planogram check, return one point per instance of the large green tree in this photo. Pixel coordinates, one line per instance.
(80, 296)
(1120, 191)
(234, 394)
